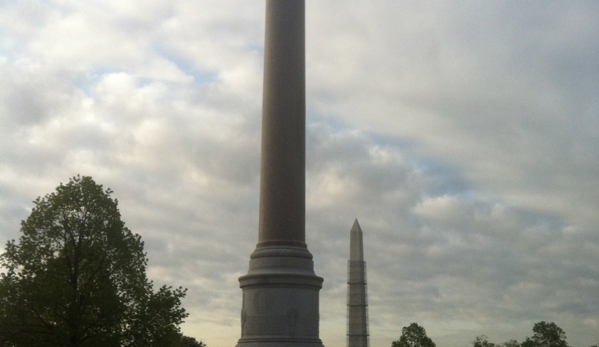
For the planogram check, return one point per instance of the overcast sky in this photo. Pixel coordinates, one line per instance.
(463, 135)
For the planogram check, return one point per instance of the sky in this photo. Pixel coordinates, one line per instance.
(463, 135)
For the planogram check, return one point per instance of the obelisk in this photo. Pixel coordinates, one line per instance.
(357, 299)
(280, 290)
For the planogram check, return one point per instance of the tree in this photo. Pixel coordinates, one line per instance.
(77, 277)
(482, 341)
(546, 335)
(413, 336)
(510, 343)
(187, 341)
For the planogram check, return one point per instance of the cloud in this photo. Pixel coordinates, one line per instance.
(462, 135)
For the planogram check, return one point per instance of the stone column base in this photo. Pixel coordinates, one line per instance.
(280, 299)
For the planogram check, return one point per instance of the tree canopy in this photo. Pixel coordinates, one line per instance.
(482, 341)
(413, 336)
(546, 335)
(187, 341)
(77, 277)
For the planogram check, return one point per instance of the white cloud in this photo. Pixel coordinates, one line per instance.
(462, 135)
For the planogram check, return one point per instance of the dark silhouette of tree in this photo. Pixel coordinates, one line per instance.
(482, 341)
(413, 336)
(510, 343)
(187, 341)
(77, 277)
(546, 335)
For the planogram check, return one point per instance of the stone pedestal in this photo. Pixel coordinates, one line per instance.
(280, 290)
(280, 299)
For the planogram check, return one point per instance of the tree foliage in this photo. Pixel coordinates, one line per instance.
(413, 336)
(546, 335)
(482, 341)
(77, 277)
(187, 341)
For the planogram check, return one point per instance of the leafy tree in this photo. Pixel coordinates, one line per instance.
(510, 343)
(77, 278)
(187, 341)
(546, 335)
(413, 336)
(482, 341)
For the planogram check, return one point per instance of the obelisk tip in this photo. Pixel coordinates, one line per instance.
(356, 226)
(355, 244)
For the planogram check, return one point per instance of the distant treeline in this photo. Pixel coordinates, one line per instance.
(545, 334)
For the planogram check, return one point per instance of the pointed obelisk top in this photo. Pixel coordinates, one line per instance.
(356, 249)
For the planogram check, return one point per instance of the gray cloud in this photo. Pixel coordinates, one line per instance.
(462, 135)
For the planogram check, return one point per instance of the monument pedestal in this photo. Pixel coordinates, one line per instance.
(280, 299)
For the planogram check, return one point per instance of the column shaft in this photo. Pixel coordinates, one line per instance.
(282, 181)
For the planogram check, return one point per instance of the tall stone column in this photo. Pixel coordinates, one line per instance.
(280, 291)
